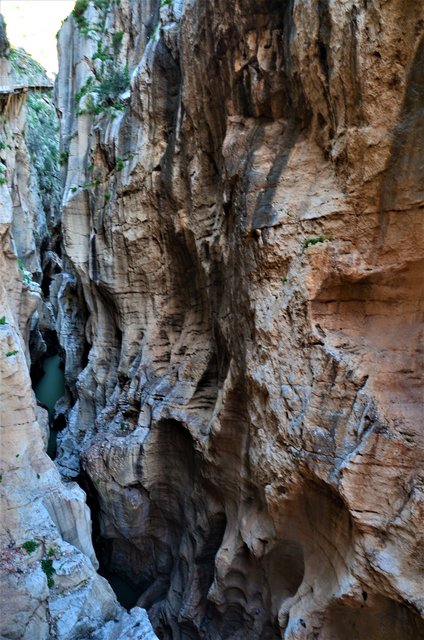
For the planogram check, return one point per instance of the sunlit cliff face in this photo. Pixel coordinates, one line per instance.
(234, 283)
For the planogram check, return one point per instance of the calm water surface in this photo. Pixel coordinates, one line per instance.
(48, 391)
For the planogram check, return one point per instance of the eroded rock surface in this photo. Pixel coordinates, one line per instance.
(247, 232)
(244, 227)
(49, 587)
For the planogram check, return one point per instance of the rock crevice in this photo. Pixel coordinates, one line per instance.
(241, 307)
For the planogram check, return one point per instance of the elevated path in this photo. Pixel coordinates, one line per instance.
(23, 83)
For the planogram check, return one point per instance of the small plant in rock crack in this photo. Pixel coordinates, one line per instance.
(3, 179)
(101, 54)
(123, 425)
(3, 320)
(155, 32)
(317, 239)
(117, 41)
(78, 13)
(26, 275)
(9, 354)
(63, 157)
(30, 546)
(47, 567)
(54, 552)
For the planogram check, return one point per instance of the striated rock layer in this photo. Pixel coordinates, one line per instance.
(242, 222)
(49, 587)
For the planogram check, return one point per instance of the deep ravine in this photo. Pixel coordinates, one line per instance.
(231, 275)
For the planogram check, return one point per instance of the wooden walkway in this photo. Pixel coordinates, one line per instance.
(21, 83)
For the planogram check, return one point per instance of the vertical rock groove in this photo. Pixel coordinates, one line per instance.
(241, 309)
(253, 434)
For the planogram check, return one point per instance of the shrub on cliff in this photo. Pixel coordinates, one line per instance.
(80, 8)
(103, 93)
(42, 138)
(114, 83)
(78, 13)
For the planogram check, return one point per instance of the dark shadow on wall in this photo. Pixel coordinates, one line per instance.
(403, 181)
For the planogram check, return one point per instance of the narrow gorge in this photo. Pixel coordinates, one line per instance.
(212, 243)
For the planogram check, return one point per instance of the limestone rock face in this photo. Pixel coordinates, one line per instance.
(49, 587)
(243, 224)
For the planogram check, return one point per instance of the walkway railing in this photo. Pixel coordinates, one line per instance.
(13, 84)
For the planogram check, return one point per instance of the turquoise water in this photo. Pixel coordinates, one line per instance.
(48, 391)
(52, 385)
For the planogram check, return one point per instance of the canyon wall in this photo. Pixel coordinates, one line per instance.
(242, 220)
(239, 303)
(49, 587)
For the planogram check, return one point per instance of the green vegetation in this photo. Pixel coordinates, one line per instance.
(9, 354)
(78, 11)
(26, 275)
(3, 179)
(86, 88)
(117, 41)
(103, 5)
(85, 28)
(312, 241)
(115, 82)
(108, 196)
(42, 138)
(63, 157)
(164, 3)
(104, 91)
(109, 81)
(23, 64)
(119, 164)
(155, 32)
(102, 54)
(47, 567)
(30, 546)
(3, 320)
(80, 7)
(86, 185)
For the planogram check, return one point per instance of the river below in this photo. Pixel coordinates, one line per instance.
(48, 390)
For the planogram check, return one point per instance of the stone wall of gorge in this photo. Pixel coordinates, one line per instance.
(242, 224)
(49, 588)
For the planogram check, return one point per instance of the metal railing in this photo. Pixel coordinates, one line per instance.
(12, 83)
